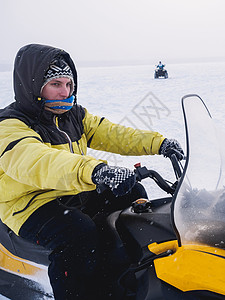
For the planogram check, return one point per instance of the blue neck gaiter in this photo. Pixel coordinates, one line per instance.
(59, 106)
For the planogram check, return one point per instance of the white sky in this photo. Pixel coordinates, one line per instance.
(92, 30)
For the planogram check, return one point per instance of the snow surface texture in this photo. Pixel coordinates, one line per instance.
(131, 96)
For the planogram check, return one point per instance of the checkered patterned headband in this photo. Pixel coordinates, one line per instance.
(58, 69)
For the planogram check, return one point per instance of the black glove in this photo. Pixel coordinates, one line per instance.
(171, 146)
(119, 180)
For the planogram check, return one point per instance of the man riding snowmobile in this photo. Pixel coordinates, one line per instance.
(160, 71)
(48, 182)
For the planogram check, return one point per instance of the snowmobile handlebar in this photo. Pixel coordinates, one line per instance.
(143, 172)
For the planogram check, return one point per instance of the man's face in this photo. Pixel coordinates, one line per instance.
(57, 89)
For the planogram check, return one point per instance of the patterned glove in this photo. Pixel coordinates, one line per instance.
(171, 146)
(119, 180)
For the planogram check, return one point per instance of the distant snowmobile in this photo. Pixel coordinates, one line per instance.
(160, 72)
(167, 248)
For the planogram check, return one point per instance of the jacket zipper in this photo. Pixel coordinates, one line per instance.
(55, 119)
(67, 136)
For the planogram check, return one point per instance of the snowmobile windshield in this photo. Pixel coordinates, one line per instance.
(199, 207)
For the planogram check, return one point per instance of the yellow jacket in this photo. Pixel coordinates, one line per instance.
(34, 172)
(43, 156)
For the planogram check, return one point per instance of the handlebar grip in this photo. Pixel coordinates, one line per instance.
(176, 167)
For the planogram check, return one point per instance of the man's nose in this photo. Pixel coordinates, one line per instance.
(64, 91)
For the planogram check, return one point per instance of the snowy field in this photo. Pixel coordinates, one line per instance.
(131, 96)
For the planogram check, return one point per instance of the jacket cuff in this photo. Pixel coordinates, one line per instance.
(89, 169)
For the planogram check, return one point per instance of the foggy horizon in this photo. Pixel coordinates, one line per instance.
(116, 31)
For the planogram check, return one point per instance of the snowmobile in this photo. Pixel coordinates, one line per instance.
(166, 248)
(159, 72)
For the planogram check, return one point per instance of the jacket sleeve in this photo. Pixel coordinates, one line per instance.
(107, 136)
(26, 159)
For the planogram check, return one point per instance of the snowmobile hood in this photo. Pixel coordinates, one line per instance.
(31, 63)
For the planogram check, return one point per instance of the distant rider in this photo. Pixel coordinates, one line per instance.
(160, 66)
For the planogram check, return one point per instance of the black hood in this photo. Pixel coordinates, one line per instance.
(31, 63)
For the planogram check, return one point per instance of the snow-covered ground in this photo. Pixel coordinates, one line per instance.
(131, 96)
